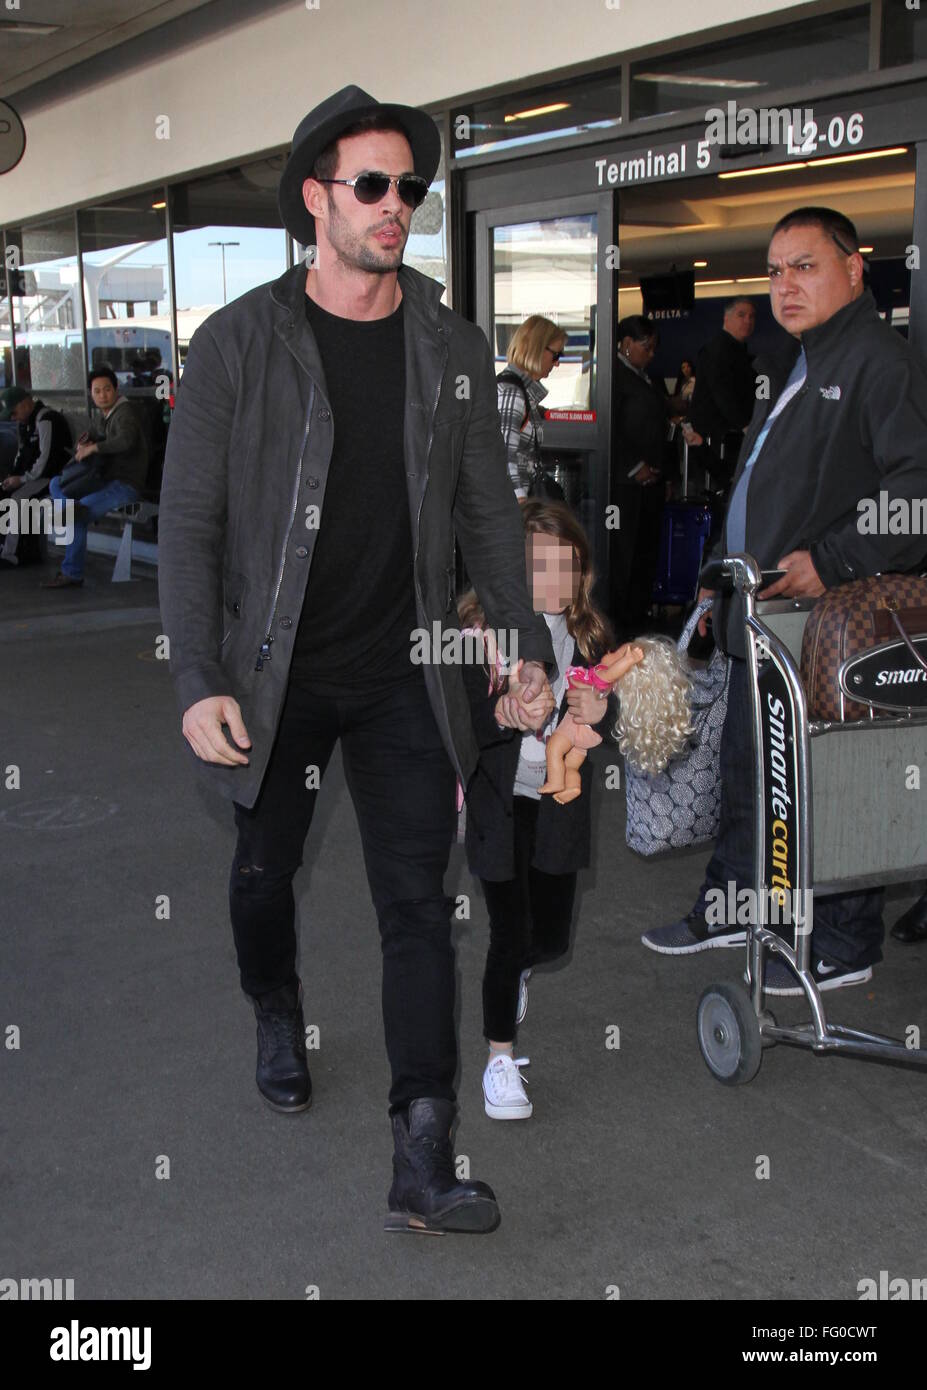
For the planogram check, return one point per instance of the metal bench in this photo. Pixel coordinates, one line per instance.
(129, 514)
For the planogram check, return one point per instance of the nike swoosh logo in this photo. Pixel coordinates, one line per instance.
(823, 969)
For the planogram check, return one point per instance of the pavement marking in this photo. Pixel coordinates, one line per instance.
(58, 813)
(71, 624)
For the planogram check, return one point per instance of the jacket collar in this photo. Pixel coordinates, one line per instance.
(534, 388)
(421, 298)
(419, 291)
(637, 371)
(108, 414)
(819, 340)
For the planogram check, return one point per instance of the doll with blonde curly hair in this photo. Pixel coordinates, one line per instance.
(655, 718)
(654, 723)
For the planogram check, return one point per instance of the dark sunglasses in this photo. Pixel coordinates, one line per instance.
(371, 187)
(555, 355)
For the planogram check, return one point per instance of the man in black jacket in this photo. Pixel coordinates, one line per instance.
(343, 418)
(44, 444)
(844, 419)
(725, 390)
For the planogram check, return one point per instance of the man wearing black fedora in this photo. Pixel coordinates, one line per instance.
(334, 431)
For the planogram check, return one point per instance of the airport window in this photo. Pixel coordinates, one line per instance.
(46, 309)
(549, 268)
(126, 288)
(804, 52)
(904, 34)
(227, 240)
(523, 118)
(128, 312)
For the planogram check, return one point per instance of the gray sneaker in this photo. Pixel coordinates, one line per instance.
(691, 934)
(779, 979)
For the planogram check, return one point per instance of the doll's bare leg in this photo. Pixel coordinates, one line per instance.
(559, 746)
(572, 784)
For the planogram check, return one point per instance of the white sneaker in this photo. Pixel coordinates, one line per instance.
(522, 997)
(504, 1089)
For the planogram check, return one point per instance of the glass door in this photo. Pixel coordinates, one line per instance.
(550, 258)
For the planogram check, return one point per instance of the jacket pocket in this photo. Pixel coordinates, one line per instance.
(234, 589)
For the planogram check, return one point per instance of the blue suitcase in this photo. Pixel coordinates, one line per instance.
(685, 530)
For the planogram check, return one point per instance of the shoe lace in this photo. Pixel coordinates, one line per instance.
(287, 1030)
(440, 1157)
(507, 1076)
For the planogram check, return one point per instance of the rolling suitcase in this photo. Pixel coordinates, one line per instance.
(685, 530)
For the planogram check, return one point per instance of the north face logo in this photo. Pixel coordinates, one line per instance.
(830, 393)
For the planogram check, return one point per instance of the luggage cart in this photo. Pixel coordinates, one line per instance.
(830, 810)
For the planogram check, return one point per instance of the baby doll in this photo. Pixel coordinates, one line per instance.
(567, 745)
(654, 722)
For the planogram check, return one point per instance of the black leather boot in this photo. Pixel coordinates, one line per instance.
(282, 1074)
(426, 1195)
(912, 925)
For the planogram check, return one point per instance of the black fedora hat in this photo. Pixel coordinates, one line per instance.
(324, 124)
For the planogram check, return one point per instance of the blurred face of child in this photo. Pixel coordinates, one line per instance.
(553, 573)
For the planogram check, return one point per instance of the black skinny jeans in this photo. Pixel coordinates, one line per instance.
(529, 923)
(402, 785)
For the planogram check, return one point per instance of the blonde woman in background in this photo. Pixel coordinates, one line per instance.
(533, 353)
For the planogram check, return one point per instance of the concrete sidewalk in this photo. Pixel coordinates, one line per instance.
(136, 1052)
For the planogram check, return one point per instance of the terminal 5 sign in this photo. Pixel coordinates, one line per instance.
(734, 138)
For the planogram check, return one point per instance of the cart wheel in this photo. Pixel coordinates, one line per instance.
(729, 1034)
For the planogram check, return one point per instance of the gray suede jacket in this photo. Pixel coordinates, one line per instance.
(243, 498)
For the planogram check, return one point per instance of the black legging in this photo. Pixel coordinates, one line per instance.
(529, 923)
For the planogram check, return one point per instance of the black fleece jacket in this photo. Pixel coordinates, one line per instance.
(857, 427)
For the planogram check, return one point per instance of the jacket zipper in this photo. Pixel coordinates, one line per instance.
(418, 527)
(264, 654)
(428, 443)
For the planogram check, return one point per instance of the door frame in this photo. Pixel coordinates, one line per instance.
(593, 438)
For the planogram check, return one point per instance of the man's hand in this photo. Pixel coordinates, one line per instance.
(526, 718)
(10, 483)
(801, 580)
(531, 678)
(646, 475)
(202, 728)
(704, 621)
(84, 450)
(516, 710)
(586, 705)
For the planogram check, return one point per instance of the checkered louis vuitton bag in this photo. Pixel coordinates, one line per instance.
(848, 620)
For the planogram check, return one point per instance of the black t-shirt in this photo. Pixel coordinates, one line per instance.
(356, 625)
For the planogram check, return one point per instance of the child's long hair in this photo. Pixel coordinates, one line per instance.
(589, 628)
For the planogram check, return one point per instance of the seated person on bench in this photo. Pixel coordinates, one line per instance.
(44, 446)
(117, 437)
